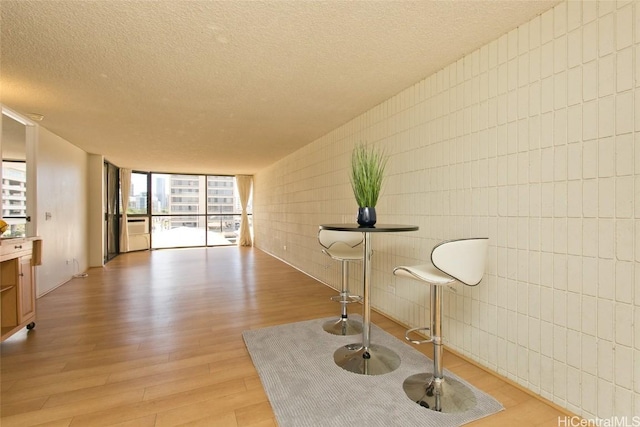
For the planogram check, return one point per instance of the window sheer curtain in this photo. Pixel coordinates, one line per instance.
(125, 188)
(244, 182)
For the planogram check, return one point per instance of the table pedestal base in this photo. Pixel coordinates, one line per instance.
(377, 360)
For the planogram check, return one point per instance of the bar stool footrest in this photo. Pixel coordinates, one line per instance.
(348, 300)
(406, 336)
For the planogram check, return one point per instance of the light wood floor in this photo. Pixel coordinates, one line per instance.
(154, 339)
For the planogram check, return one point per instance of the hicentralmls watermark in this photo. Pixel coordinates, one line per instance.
(599, 422)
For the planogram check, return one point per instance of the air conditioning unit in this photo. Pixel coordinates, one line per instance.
(139, 239)
(138, 225)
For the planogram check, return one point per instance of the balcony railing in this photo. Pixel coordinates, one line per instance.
(175, 231)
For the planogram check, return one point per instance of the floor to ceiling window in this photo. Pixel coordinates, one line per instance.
(193, 210)
(174, 211)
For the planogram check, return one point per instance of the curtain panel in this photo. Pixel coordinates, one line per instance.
(125, 189)
(245, 183)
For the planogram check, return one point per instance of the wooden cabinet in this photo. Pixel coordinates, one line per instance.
(26, 289)
(18, 258)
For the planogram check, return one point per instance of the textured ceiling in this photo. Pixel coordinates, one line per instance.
(226, 86)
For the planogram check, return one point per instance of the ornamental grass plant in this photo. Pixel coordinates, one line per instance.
(367, 172)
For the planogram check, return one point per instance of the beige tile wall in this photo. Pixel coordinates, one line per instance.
(533, 141)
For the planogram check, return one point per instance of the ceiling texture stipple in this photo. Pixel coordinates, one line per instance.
(226, 87)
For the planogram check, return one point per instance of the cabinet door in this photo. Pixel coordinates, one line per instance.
(26, 290)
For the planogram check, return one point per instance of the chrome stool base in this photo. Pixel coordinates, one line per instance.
(343, 326)
(377, 360)
(454, 396)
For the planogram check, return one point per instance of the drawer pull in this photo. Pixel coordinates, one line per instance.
(17, 247)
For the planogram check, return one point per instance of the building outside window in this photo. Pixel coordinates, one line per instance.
(14, 197)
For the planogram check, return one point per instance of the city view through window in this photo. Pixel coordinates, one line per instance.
(186, 210)
(14, 198)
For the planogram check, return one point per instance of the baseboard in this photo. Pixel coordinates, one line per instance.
(512, 383)
(54, 288)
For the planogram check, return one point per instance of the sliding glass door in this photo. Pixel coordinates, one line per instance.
(111, 217)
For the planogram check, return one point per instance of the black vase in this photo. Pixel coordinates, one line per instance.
(367, 216)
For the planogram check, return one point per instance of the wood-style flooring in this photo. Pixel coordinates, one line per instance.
(155, 339)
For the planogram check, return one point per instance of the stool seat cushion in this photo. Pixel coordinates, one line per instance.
(425, 272)
(343, 252)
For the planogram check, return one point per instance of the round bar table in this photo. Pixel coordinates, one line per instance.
(366, 358)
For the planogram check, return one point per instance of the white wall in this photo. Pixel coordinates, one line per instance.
(62, 191)
(96, 210)
(533, 141)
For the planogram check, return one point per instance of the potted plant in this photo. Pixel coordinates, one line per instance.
(367, 172)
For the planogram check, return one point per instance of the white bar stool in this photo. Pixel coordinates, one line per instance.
(462, 260)
(344, 247)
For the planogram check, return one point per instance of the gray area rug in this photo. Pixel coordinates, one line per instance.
(306, 388)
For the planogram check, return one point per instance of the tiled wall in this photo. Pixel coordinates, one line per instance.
(533, 141)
